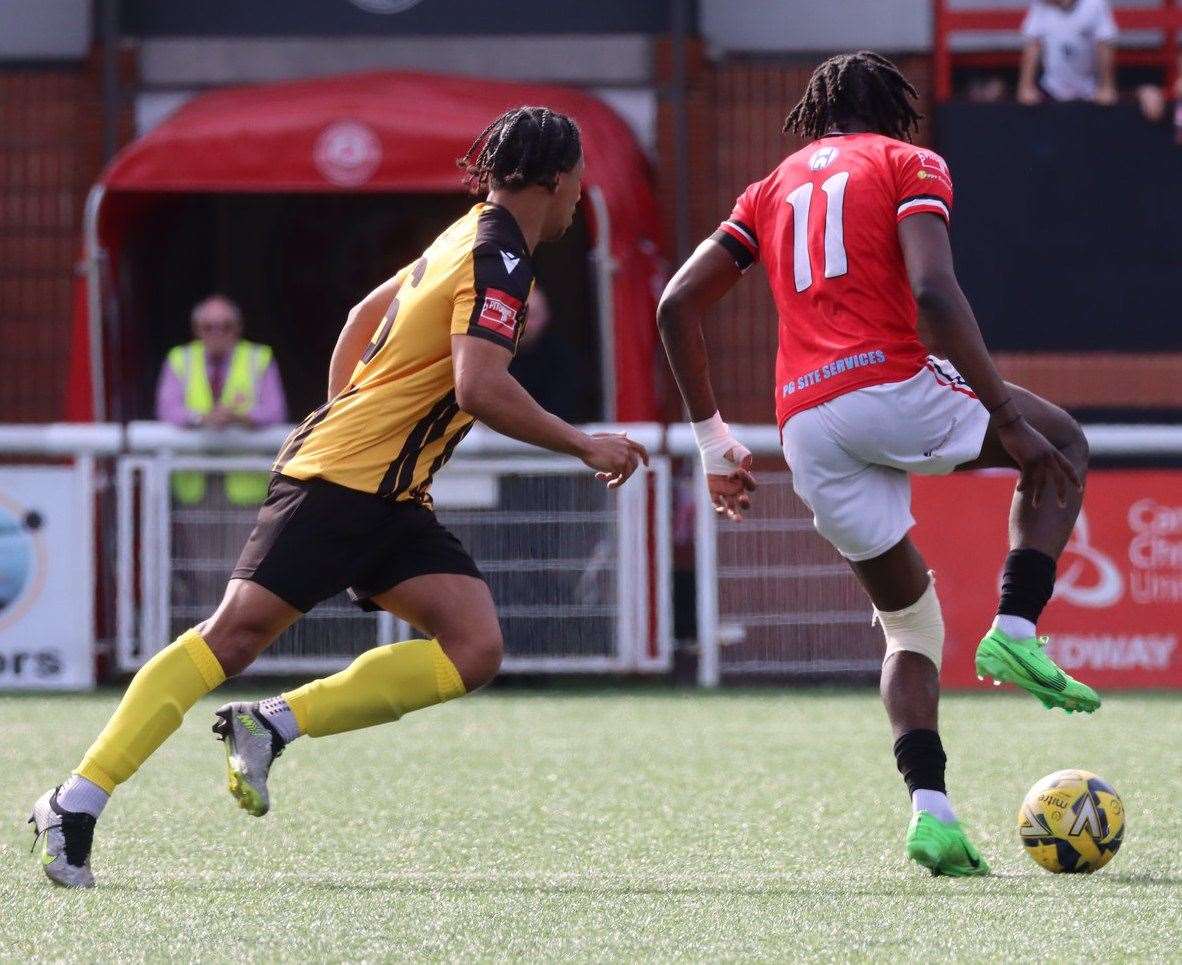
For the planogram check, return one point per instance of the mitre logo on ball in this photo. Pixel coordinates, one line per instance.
(347, 153)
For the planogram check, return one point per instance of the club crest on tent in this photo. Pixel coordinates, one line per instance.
(347, 153)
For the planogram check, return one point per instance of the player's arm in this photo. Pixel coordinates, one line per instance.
(1105, 31)
(487, 391)
(1028, 92)
(710, 273)
(945, 313)
(363, 321)
(1106, 92)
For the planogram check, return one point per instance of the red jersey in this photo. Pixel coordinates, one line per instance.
(825, 224)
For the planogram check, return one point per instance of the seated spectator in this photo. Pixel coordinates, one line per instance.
(217, 380)
(1074, 41)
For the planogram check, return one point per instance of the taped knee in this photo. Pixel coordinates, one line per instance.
(918, 628)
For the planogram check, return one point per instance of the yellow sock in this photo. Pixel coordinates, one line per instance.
(379, 686)
(160, 694)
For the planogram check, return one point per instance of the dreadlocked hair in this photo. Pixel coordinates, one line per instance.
(863, 85)
(522, 147)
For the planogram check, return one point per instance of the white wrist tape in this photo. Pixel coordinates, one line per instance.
(721, 452)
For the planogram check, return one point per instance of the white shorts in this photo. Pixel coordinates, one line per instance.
(851, 456)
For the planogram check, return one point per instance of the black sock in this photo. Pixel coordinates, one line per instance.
(1027, 584)
(921, 760)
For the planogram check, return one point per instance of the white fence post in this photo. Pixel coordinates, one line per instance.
(125, 525)
(706, 580)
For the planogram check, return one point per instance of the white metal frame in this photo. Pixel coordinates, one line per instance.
(148, 625)
(1104, 440)
(92, 254)
(150, 450)
(712, 635)
(706, 567)
(659, 579)
(558, 465)
(605, 269)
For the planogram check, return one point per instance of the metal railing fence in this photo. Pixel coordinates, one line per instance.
(582, 577)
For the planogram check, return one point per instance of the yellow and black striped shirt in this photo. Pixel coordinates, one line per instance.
(397, 423)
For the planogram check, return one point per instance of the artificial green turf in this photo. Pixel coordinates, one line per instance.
(606, 825)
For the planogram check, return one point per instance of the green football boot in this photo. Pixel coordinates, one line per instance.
(942, 847)
(1026, 664)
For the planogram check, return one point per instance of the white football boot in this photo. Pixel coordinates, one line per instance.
(252, 744)
(66, 838)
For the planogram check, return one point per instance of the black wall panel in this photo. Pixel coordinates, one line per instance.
(292, 18)
(1067, 228)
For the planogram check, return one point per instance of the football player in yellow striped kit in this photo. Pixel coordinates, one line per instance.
(419, 360)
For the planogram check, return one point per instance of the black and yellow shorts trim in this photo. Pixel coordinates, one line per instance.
(314, 539)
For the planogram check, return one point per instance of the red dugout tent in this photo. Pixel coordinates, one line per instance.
(387, 132)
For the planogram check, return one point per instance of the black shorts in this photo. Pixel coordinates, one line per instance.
(314, 539)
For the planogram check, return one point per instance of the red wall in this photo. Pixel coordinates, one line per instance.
(50, 152)
(736, 111)
(1116, 617)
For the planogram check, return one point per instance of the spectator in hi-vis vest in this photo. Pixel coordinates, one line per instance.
(219, 380)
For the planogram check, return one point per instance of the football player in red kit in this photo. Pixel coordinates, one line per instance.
(853, 234)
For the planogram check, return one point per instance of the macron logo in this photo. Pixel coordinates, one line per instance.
(509, 260)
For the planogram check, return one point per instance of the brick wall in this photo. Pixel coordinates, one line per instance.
(736, 109)
(50, 154)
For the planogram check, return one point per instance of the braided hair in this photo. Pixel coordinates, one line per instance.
(863, 85)
(522, 147)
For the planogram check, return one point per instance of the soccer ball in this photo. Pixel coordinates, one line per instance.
(1072, 821)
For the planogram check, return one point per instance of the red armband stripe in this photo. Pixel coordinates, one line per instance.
(922, 205)
(742, 234)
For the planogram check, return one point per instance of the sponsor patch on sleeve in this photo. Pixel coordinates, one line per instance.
(929, 160)
(932, 167)
(498, 312)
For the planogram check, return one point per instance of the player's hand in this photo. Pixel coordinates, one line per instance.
(1029, 95)
(728, 490)
(726, 463)
(1106, 96)
(1039, 462)
(1152, 101)
(615, 456)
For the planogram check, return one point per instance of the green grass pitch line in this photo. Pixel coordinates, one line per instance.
(602, 825)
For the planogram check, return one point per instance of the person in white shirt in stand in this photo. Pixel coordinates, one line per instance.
(1074, 41)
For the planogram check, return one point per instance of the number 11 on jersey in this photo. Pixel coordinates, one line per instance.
(801, 200)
